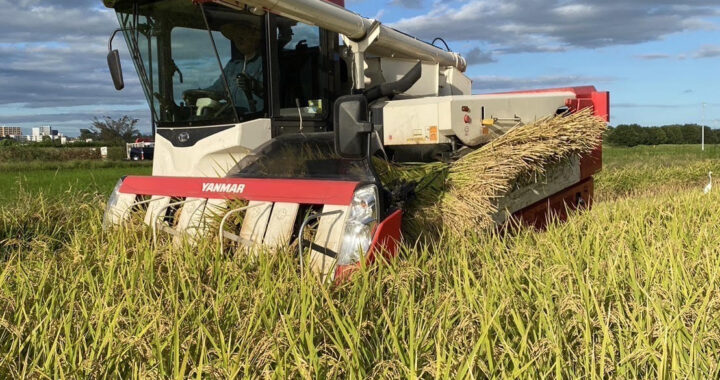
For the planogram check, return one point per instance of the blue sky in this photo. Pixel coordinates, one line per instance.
(659, 59)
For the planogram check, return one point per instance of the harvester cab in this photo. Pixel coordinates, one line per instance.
(259, 111)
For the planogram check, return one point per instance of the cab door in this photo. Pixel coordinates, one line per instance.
(305, 65)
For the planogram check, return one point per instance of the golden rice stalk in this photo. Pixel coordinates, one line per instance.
(421, 213)
(477, 180)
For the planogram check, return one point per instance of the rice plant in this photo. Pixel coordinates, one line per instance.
(628, 289)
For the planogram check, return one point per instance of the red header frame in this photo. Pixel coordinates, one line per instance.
(252, 189)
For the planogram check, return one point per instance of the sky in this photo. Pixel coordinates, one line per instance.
(659, 59)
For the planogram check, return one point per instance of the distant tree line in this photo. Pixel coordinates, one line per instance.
(112, 131)
(634, 134)
(7, 141)
(102, 132)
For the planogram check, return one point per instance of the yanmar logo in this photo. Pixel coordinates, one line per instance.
(210, 187)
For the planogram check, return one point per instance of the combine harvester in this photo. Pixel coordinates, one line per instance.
(259, 101)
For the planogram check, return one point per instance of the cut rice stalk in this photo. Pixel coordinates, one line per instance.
(464, 196)
(476, 181)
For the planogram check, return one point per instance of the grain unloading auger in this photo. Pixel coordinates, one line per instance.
(258, 101)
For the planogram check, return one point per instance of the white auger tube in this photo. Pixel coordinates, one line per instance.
(389, 42)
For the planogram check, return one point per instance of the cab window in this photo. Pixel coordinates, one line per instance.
(302, 71)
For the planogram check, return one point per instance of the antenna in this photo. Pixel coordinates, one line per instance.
(297, 104)
(702, 126)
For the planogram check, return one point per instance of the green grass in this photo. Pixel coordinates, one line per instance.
(25, 153)
(63, 180)
(15, 166)
(628, 289)
(657, 156)
(646, 170)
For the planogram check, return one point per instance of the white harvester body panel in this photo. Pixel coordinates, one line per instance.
(385, 70)
(329, 235)
(434, 81)
(473, 119)
(281, 223)
(156, 209)
(192, 219)
(256, 221)
(212, 156)
(121, 211)
(454, 82)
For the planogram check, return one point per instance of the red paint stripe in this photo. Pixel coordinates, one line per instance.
(556, 205)
(387, 236)
(385, 241)
(580, 91)
(271, 190)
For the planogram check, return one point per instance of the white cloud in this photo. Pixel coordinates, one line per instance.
(705, 51)
(575, 10)
(547, 25)
(477, 56)
(54, 58)
(708, 51)
(653, 56)
(492, 83)
(416, 4)
(41, 21)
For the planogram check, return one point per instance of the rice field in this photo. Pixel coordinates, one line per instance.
(628, 289)
(62, 180)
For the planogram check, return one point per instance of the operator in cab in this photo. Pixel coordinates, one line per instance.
(244, 73)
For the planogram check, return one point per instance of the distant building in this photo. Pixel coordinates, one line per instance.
(10, 131)
(39, 133)
(44, 130)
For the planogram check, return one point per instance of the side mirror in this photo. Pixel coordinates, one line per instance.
(113, 59)
(351, 126)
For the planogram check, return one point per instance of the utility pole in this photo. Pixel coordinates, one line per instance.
(702, 143)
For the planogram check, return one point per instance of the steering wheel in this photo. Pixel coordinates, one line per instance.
(191, 96)
(223, 109)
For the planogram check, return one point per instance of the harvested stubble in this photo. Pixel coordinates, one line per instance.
(463, 196)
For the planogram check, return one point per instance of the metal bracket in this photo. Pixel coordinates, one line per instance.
(358, 49)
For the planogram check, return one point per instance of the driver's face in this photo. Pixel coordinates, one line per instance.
(245, 38)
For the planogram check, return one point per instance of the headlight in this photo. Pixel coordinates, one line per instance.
(360, 225)
(108, 218)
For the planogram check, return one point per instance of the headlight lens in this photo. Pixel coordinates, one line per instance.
(111, 203)
(360, 226)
